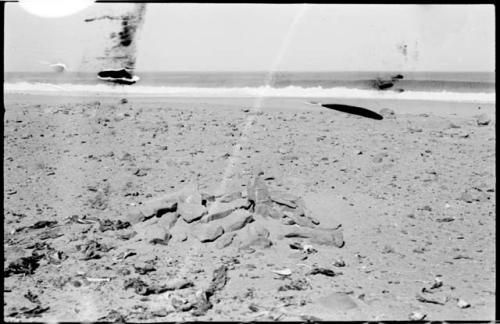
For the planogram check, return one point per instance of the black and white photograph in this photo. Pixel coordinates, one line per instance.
(245, 162)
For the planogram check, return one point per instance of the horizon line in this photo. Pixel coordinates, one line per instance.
(264, 71)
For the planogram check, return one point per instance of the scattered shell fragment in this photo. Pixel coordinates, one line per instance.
(283, 272)
(97, 279)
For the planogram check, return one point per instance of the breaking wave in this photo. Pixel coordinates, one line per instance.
(245, 92)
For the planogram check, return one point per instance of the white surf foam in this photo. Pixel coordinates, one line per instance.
(246, 92)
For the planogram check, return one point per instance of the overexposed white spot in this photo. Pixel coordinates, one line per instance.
(54, 8)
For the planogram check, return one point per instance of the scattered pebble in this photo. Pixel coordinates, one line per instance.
(462, 303)
(483, 120)
(416, 316)
(339, 263)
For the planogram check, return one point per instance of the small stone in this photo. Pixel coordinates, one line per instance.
(209, 233)
(191, 212)
(141, 172)
(76, 283)
(339, 263)
(462, 303)
(483, 120)
(283, 272)
(416, 316)
(313, 220)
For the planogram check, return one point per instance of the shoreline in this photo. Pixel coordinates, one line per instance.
(410, 107)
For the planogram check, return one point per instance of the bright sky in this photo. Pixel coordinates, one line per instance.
(263, 37)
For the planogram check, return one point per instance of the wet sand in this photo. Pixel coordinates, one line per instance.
(414, 194)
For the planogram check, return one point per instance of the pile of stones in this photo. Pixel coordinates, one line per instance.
(241, 218)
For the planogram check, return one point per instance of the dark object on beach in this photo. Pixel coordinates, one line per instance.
(383, 85)
(397, 77)
(121, 76)
(323, 271)
(26, 265)
(354, 110)
(296, 246)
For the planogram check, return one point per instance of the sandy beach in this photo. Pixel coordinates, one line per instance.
(412, 197)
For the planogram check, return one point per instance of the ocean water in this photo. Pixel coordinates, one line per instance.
(452, 86)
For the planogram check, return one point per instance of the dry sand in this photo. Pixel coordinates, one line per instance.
(414, 194)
